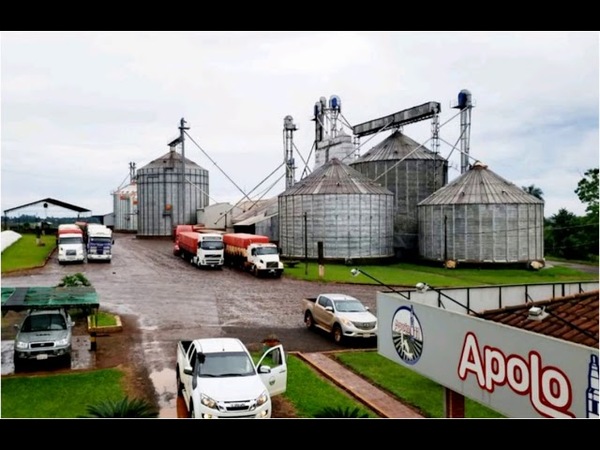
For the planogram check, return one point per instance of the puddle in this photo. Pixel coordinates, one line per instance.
(165, 384)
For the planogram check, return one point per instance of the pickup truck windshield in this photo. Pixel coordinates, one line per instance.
(44, 322)
(349, 306)
(225, 365)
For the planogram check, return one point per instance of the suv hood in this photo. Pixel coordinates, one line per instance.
(364, 316)
(36, 336)
(233, 388)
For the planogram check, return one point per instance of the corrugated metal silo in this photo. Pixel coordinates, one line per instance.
(480, 217)
(162, 196)
(125, 205)
(412, 173)
(336, 205)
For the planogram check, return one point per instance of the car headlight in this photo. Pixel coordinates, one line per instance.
(262, 399)
(347, 322)
(20, 345)
(64, 341)
(208, 402)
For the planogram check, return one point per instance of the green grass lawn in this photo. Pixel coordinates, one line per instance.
(26, 254)
(414, 389)
(64, 395)
(408, 275)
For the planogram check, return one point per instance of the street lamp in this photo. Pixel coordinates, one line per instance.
(424, 287)
(356, 271)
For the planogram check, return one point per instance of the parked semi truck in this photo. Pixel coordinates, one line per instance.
(253, 253)
(69, 240)
(200, 249)
(217, 378)
(99, 243)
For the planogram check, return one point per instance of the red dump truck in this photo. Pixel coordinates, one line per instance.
(200, 249)
(253, 253)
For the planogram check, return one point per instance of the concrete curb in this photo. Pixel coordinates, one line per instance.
(99, 330)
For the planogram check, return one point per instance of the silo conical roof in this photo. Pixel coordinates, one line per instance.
(170, 159)
(335, 177)
(480, 185)
(395, 147)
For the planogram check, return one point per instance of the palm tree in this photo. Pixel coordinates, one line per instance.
(534, 190)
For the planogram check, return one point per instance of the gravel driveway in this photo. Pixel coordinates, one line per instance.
(174, 300)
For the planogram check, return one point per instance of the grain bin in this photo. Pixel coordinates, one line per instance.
(125, 206)
(412, 173)
(162, 195)
(336, 205)
(481, 218)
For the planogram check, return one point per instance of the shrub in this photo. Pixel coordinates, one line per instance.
(126, 407)
(77, 279)
(338, 412)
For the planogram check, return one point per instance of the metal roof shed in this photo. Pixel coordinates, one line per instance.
(23, 298)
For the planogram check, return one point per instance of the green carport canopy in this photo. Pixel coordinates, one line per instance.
(22, 298)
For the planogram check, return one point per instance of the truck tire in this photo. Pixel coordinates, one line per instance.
(179, 383)
(191, 413)
(309, 321)
(337, 333)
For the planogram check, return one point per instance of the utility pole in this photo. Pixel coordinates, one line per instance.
(182, 128)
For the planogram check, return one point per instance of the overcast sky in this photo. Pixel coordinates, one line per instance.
(78, 107)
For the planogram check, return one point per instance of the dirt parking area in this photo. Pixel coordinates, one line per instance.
(162, 299)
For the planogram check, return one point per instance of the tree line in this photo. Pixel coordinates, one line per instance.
(567, 235)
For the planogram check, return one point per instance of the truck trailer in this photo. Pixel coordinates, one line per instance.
(253, 253)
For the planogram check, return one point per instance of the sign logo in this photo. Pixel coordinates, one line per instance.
(407, 334)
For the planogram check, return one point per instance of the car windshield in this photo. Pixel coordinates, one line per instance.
(225, 365)
(44, 322)
(349, 306)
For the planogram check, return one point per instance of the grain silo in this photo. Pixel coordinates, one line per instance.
(350, 214)
(412, 173)
(481, 218)
(125, 205)
(164, 199)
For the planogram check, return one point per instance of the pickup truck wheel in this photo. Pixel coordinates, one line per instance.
(309, 321)
(337, 333)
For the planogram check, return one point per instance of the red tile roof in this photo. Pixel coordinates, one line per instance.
(573, 318)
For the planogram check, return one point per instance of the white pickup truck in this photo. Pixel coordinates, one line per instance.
(218, 378)
(341, 315)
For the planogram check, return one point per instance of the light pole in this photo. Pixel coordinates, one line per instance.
(356, 271)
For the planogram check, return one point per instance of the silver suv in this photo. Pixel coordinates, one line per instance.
(44, 334)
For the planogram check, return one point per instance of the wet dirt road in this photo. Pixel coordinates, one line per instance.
(173, 300)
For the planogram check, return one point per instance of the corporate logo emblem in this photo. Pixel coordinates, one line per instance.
(407, 334)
